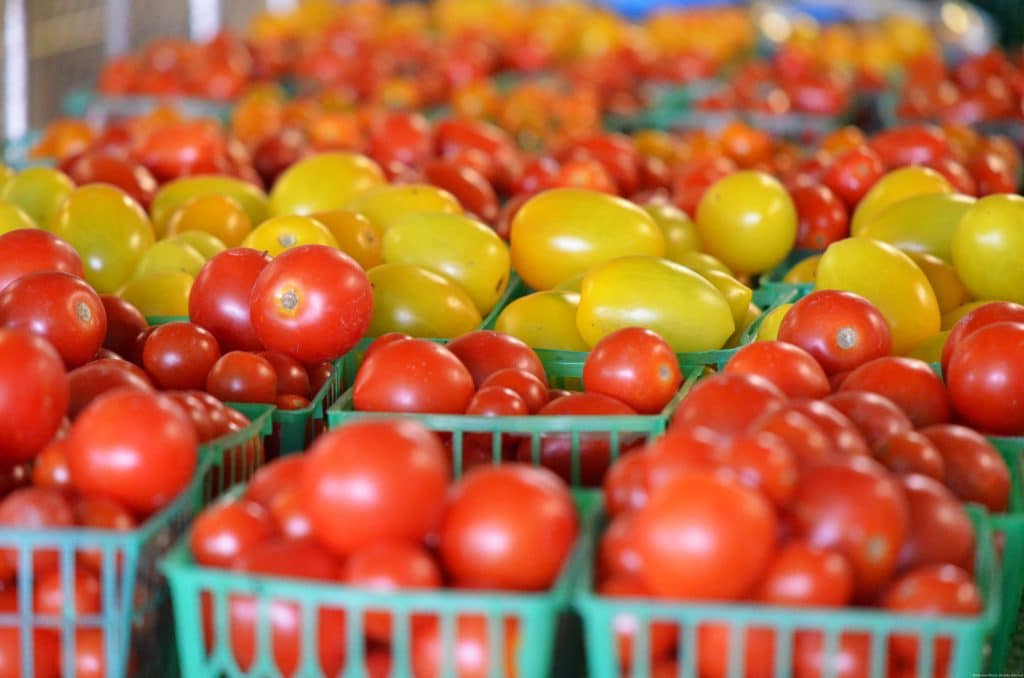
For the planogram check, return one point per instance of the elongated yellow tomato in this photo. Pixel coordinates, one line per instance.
(567, 231)
(988, 248)
(949, 290)
(768, 330)
(890, 280)
(736, 294)
(108, 229)
(39, 191)
(803, 272)
(951, 318)
(169, 255)
(159, 294)
(895, 186)
(420, 303)
(748, 221)
(205, 243)
(544, 320)
(13, 218)
(323, 182)
(277, 234)
(5, 173)
(178, 192)
(387, 205)
(922, 223)
(677, 227)
(930, 350)
(219, 215)
(702, 262)
(457, 247)
(749, 318)
(355, 235)
(573, 284)
(661, 295)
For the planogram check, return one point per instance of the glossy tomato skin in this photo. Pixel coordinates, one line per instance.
(911, 452)
(853, 174)
(794, 371)
(413, 375)
(940, 529)
(100, 513)
(847, 440)
(124, 324)
(974, 469)
(761, 461)
(877, 417)
(812, 659)
(728, 404)
(471, 652)
(242, 377)
(469, 186)
(625, 484)
(532, 390)
(636, 366)
(179, 355)
(227, 529)
(274, 478)
(910, 145)
(908, 383)
(678, 452)
(45, 660)
(997, 311)
(33, 395)
(99, 376)
(986, 378)
(484, 352)
(804, 575)
(292, 378)
(713, 651)
(822, 217)
(220, 297)
(108, 168)
(507, 527)
(311, 302)
(32, 250)
(51, 467)
(802, 436)
(617, 553)
(59, 307)
(34, 508)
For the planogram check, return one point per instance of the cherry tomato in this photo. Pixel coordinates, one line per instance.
(32, 250)
(997, 311)
(679, 452)
(107, 168)
(851, 659)
(804, 575)
(822, 217)
(413, 375)
(227, 529)
(794, 371)
(495, 401)
(625, 483)
(473, 191)
(45, 660)
(910, 145)
(662, 638)
(986, 380)
(469, 653)
(728, 404)
(34, 508)
(940, 529)
(90, 653)
(616, 154)
(713, 651)
(48, 597)
(242, 377)
(636, 366)
(180, 355)
(617, 551)
(532, 390)
(273, 478)
(992, 173)
(220, 297)
(51, 467)
(802, 436)
(124, 325)
(198, 414)
(974, 469)
(911, 452)
(399, 139)
(908, 383)
(847, 440)
(484, 352)
(763, 462)
(853, 174)
(877, 417)
(93, 379)
(277, 152)
(34, 395)
(101, 513)
(288, 511)
(538, 174)
(691, 184)
(292, 378)
(957, 175)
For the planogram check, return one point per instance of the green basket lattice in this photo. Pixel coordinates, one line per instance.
(1008, 641)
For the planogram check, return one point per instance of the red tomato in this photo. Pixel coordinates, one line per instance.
(855, 507)
(539, 174)
(354, 497)
(804, 575)
(822, 217)
(383, 340)
(713, 651)
(986, 378)
(802, 436)
(60, 308)
(177, 149)
(636, 366)
(841, 330)
(288, 401)
(911, 452)
(180, 355)
(794, 371)
(227, 529)
(957, 175)
(242, 377)
(992, 174)
(625, 483)
(911, 145)
(484, 352)
(33, 395)
(691, 183)
(728, 404)
(292, 378)
(49, 596)
(124, 325)
(275, 477)
(761, 461)
(319, 375)
(413, 375)
(910, 384)
(289, 514)
(974, 469)
(617, 553)
(90, 653)
(33, 508)
(389, 565)
(45, 660)
(507, 527)
(662, 638)
(220, 297)
(470, 187)
(469, 654)
(99, 376)
(877, 417)
(105, 167)
(678, 452)
(940, 529)
(853, 174)
(494, 401)
(50, 468)
(33, 250)
(532, 390)
(400, 138)
(312, 302)
(812, 659)
(198, 413)
(847, 440)
(702, 537)
(135, 447)
(616, 154)
(994, 312)
(277, 152)
(97, 512)
(454, 134)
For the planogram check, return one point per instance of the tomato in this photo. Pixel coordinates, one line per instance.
(400, 138)
(385, 205)
(469, 653)
(523, 382)
(413, 375)
(218, 215)
(894, 187)
(557, 331)
(761, 461)
(227, 529)
(124, 325)
(985, 379)
(940, 529)
(389, 566)
(281, 233)
(93, 379)
(678, 452)
(539, 173)
(662, 638)
(794, 371)
(635, 366)
(355, 236)
(847, 440)
(979, 317)
(855, 507)
(415, 301)
(728, 404)
(49, 596)
(877, 417)
(911, 452)
(242, 377)
(304, 187)
(180, 355)
(822, 217)
(353, 498)
(39, 191)
(748, 221)
(198, 414)
(33, 251)
(692, 183)
(804, 438)
(277, 152)
(714, 655)
(96, 512)
(469, 186)
(986, 244)
(179, 148)
(958, 176)
(273, 478)
(105, 167)
(495, 401)
(135, 447)
(159, 294)
(931, 590)
(992, 173)
(292, 378)
(13, 218)
(908, 383)
(974, 469)
(702, 537)
(507, 527)
(813, 659)
(484, 352)
(910, 145)
(45, 660)
(617, 553)
(33, 508)
(50, 468)
(219, 299)
(679, 230)
(802, 574)
(300, 559)
(312, 303)
(33, 395)
(289, 514)
(841, 330)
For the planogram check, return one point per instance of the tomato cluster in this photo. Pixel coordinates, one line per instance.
(981, 88)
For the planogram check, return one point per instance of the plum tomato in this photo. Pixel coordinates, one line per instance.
(846, 438)
(484, 352)
(793, 370)
(468, 185)
(99, 376)
(728, 404)
(124, 325)
(220, 297)
(802, 574)
(179, 355)
(617, 551)
(413, 375)
(940, 529)
(851, 175)
(625, 484)
(292, 378)
(242, 377)
(802, 436)
(33, 250)
(679, 451)
(910, 384)
(875, 416)
(273, 478)
(763, 462)
(636, 366)
(106, 167)
(974, 469)
(986, 378)
(822, 217)
(227, 529)
(532, 390)
(911, 452)
(993, 312)
(34, 395)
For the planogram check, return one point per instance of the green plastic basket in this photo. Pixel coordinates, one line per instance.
(87, 103)
(135, 615)
(968, 634)
(1008, 641)
(537, 615)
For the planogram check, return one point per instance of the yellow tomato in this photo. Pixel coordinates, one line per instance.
(768, 330)
(420, 303)
(159, 294)
(679, 231)
(892, 188)
(207, 245)
(748, 221)
(736, 294)
(387, 205)
(677, 303)
(38, 191)
(169, 255)
(324, 182)
(890, 280)
(573, 284)
(355, 235)
(109, 231)
(752, 314)
(803, 272)
(13, 218)
(949, 291)
(567, 231)
(219, 215)
(277, 234)
(988, 248)
(5, 173)
(951, 318)
(457, 247)
(544, 320)
(922, 223)
(930, 350)
(178, 192)
(701, 262)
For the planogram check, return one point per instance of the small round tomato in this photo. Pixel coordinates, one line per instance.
(273, 478)
(996, 311)
(242, 377)
(412, 375)
(100, 513)
(908, 383)
(846, 438)
(761, 461)
(108, 168)
(822, 217)
(33, 250)
(974, 469)
(910, 145)
(180, 355)
(90, 653)
(794, 371)
(124, 325)
(812, 657)
(940, 528)
(93, 379)
(289, 514)
(636, 366)
(484, 352)
(992, 174)
(802, 574)
(50, 468)
(292, 378)
(220, 297)
(470, 187)
(714, 653)
(46, 646)
(986, 378)
(690, 185)
(34, 508)
(853, 174)
(227, 529)
(34, 395)
(800, 434)
(198, 414)
(526, 384)
(662, 638)
(728, 404)
(877, 417)
(957, 175)
(911, 452)
(625, 484)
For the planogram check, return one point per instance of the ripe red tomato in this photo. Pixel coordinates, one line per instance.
(399, 138)
(87, 382)
(702, 537)
(822, 217)
(33, 508)
(383, 340)
(911, 145)
(470, 653)
(221, 294)
(853, 173)
(532, 390)
(312, 302)
(851, 659)
(728, 404)
(662, 637)
(802, 436)
(615, 152)
(49, 596)
(940, 529)
(678, 452)
(288, 401)
(90, 653)
(974, 469)
(841, 330)
(957, 175)
(34, 395)
(991, 173)
(135, 447)
(794, 371)
(292, 378)
(33, 250)
(179, 355)
(227, 529)
(494, 401)
(636, 366)
(60, 308)
(242, 377)
(108, 168)
(763, 462)
(484, 352)
(690, 184)
(911, 452)
(319, 375)
(104, 514)
(469, 186)
(45, 660)
(714, 655)
(396, 491)
(625, 483)
(456, 134)
(288, 511)
(847, 440)
(617, 554)
(277, 152)
(997, 311)
(910, 384)
(855, 507)
(275, 477)
(802, 574)
(507, 527)
(412, 375)
(124, 324)
(199, 414)
(986, 378)
(875, 416)
(50, 468)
